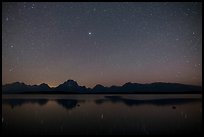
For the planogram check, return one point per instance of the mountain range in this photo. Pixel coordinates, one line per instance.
(71, 86)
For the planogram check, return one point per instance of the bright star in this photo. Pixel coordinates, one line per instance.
(11, 69)
(90, 33)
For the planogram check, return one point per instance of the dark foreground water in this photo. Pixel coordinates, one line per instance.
(102, 114)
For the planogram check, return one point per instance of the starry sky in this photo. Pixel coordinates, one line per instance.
(106, 43)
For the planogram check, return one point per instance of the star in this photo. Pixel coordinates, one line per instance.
(196, 65)
(178, 74)
(90, 33)
(11, 69)
(12, 46)
(33, 6)
(186, 14)
(7, 18)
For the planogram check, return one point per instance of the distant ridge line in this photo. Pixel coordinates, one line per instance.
(71, 86)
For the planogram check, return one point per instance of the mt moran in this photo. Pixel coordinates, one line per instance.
(71, 87)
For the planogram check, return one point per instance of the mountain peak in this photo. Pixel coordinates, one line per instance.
(99, 86)
(71, 83)
(44, 85)
(129, 84)
(18, 83)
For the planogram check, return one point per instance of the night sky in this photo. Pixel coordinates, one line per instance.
(106, 43)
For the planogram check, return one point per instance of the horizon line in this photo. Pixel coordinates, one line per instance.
(98, 83)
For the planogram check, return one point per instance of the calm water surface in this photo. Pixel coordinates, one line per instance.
(102, 114)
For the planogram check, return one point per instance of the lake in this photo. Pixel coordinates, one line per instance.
(118, 114)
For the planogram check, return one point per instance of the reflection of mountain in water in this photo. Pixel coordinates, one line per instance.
(66, 103)
(19, 102)
(69, 103)
(131, 102)
(73, 103)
